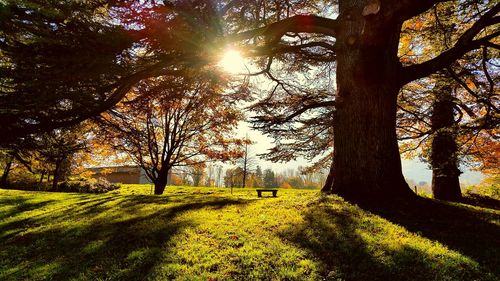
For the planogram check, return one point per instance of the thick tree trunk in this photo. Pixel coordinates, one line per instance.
(161, 181)
(6, 171)
(445, 172)
(367, 162)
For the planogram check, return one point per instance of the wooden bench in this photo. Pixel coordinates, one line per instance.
(274, 191)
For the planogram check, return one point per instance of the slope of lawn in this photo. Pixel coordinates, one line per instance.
(208, 234)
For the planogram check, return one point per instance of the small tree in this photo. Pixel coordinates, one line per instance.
(170, 122)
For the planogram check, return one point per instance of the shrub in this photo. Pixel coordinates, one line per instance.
(19, 179)
(489, 187)
(83, 185)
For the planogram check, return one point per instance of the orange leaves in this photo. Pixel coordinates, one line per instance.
(486, 151)
(470, 83)
(285, 184)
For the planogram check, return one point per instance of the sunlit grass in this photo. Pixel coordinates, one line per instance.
(207, 233)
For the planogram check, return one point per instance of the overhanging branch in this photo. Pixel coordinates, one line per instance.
(464, 44)
(297, 24)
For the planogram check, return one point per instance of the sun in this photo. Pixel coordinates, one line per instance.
(232, 62)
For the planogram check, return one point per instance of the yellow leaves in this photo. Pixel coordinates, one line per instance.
(86, 174)
(106, 171)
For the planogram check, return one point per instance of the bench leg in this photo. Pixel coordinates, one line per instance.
(274, 193)
(259, 194)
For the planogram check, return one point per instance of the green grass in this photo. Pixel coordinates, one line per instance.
(208, 234)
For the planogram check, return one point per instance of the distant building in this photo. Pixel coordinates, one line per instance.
(121, 174)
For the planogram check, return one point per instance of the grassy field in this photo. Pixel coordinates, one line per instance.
(208, 234)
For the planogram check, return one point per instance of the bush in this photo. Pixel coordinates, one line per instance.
(489, 187)
(99, 185)
(19, 179)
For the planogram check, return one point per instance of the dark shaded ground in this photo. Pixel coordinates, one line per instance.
(481, 201)
(338, 237)
(461, 228)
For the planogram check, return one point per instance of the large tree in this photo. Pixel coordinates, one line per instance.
(362, 37)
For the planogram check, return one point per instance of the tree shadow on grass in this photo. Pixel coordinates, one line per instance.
(481, 201)
(122, 245)
(470, 231)
(352, 244)
(19, 205)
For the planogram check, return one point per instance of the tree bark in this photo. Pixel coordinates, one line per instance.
(161, 181)
(445, 172)
(6, 171)
(367, 162)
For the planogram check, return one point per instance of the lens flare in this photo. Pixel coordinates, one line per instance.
(232, 62)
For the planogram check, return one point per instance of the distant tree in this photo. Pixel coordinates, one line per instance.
(234, 177)
(172, 122)
(247, 162)
(259, 177)
(59, 148)
(52, 152)
(296, 182)
(176, 180)
(218, 173)
(197, 172)
(210, 174)
(270, 179)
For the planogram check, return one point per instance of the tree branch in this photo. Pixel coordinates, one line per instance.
(464, 44)
(297, 24)
(406, 9)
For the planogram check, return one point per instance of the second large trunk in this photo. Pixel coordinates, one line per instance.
(444, 161)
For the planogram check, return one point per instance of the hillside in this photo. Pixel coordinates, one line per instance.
(208, 234)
